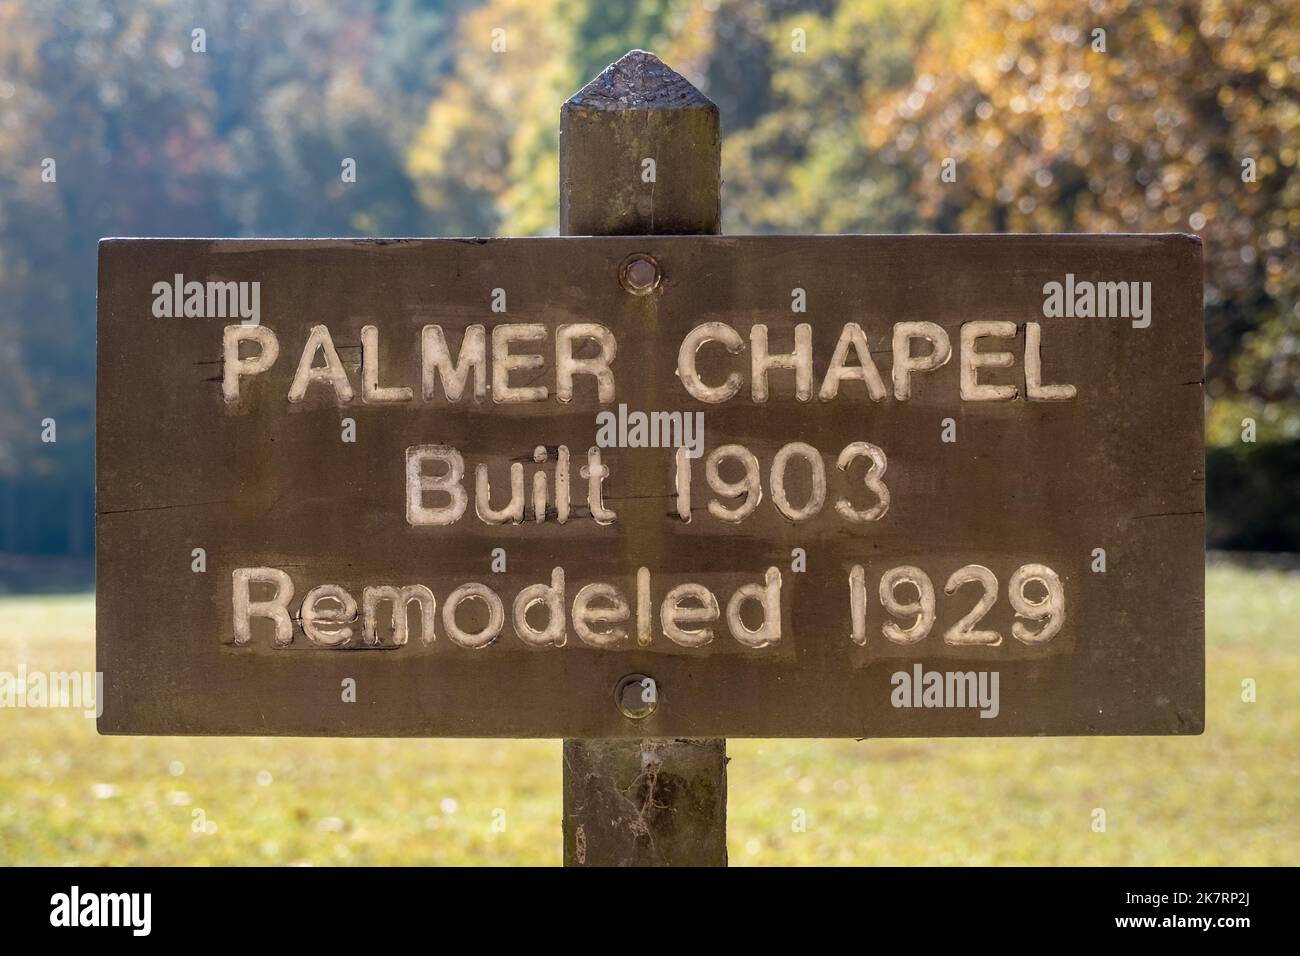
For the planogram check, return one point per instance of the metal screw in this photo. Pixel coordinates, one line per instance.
(639, 274)
(636, 696)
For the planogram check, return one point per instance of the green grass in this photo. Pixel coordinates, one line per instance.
(1230, 796)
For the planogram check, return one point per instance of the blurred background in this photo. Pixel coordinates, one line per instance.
(160, 118)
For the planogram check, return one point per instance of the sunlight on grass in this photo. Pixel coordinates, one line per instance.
(1230, 796)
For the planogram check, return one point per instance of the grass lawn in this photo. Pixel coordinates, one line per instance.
(1230, 796)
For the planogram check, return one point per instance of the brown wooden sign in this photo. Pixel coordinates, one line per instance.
(651, 486)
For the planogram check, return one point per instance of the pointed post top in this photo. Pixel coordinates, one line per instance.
(639, 80)
(640, 154)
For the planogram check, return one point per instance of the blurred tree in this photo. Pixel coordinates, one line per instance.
(154, 132)
(803, 164)
(791, 79)
(487, 157)
(1117, 116)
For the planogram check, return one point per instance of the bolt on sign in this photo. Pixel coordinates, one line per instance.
(651, 486)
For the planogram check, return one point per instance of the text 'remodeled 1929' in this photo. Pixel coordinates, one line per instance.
(663, 486)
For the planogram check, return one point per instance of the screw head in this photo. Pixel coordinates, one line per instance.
(636, 696)
(639, 274)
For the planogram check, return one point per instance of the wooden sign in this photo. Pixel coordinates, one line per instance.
(651, 486)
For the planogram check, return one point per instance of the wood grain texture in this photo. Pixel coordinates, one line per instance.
(266, 483)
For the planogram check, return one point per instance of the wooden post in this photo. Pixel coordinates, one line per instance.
(640, 154)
